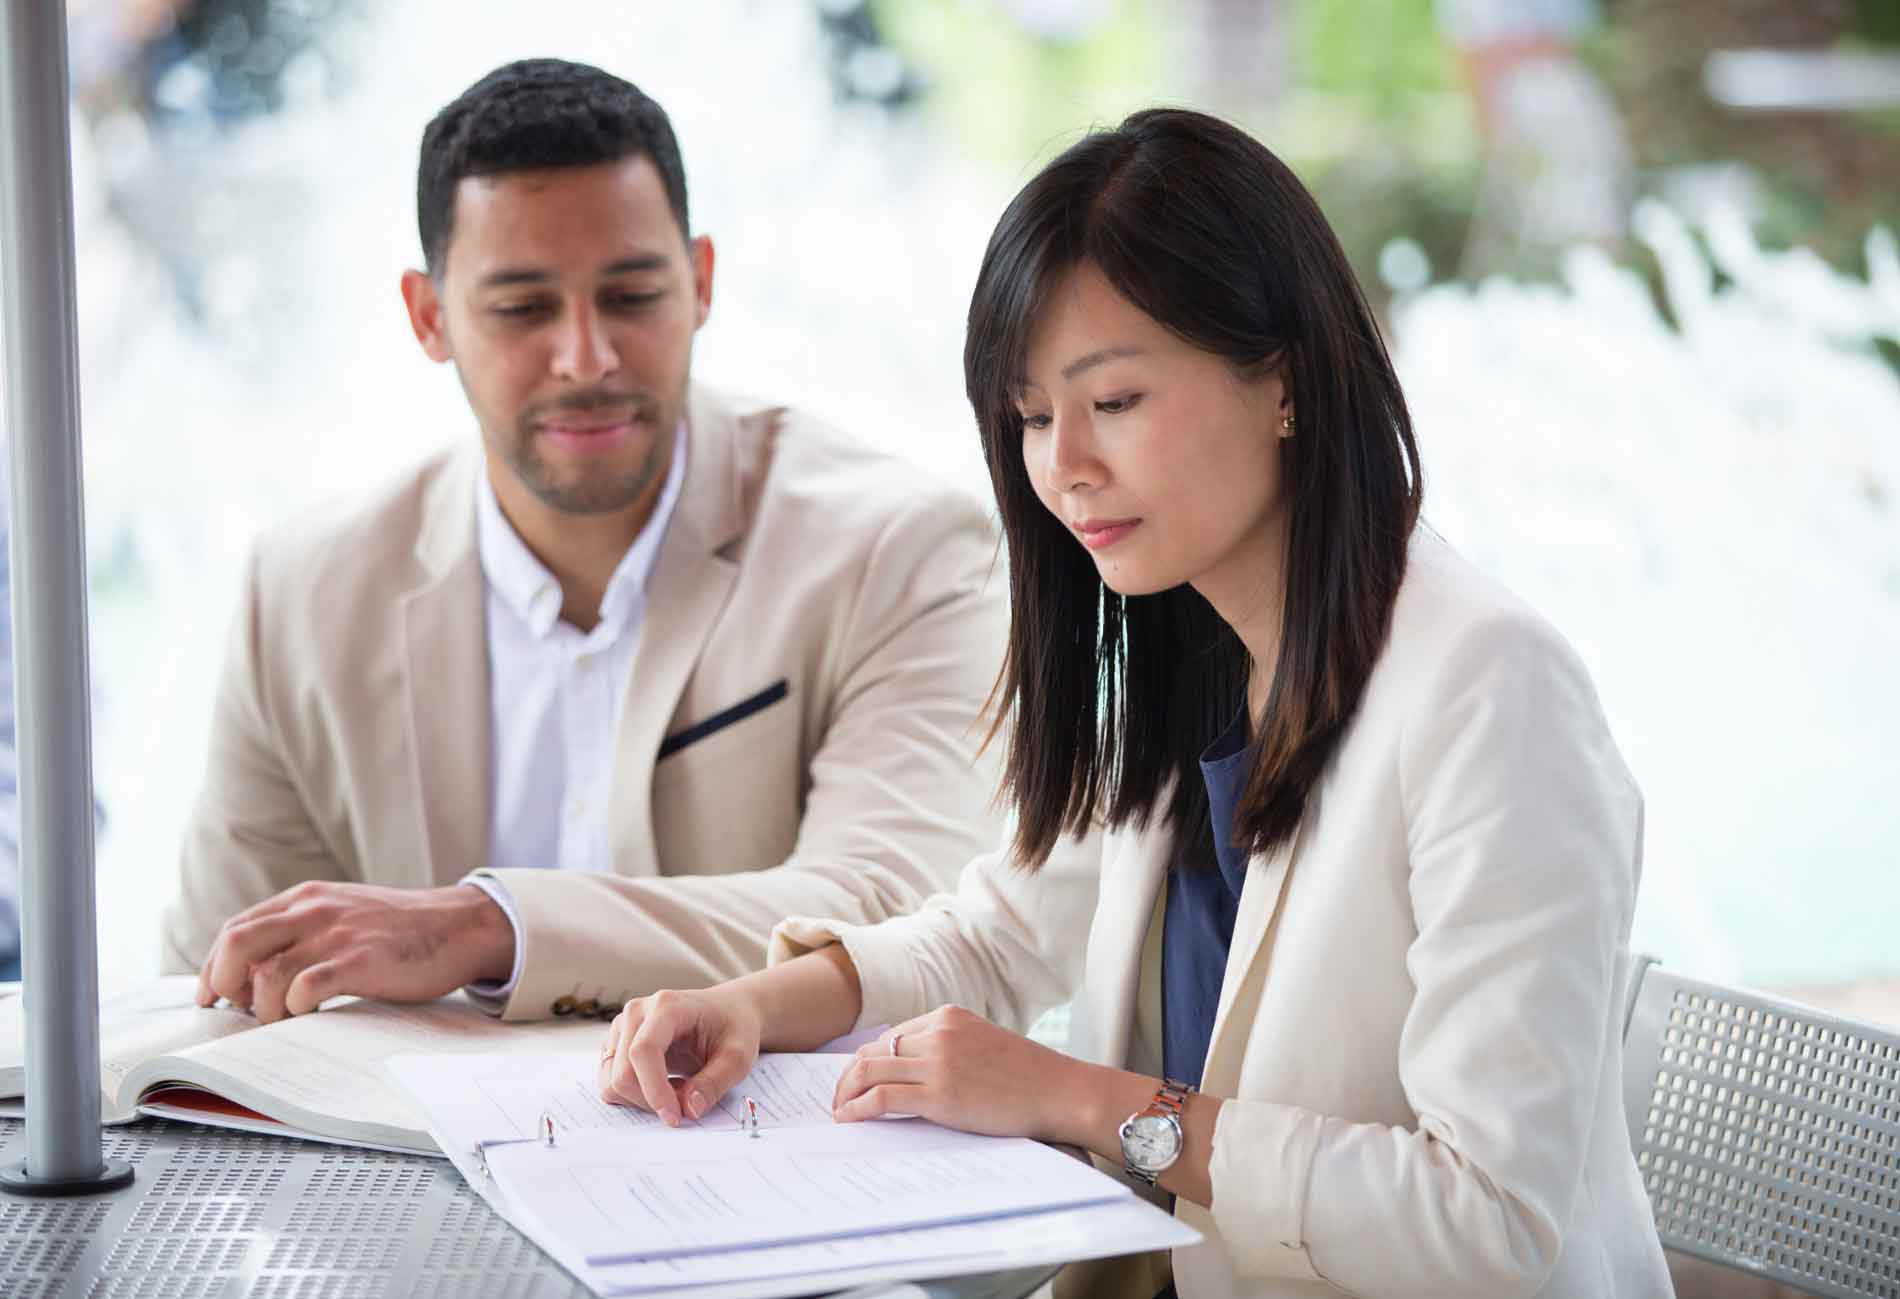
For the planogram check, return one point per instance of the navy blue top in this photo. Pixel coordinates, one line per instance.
(1200, 917)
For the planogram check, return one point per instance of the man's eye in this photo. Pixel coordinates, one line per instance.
(518, 310)
(628, 301)
(1119, 405)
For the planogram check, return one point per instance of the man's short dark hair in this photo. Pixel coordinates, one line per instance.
(533, 114)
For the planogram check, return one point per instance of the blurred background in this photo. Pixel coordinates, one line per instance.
(1636, 258)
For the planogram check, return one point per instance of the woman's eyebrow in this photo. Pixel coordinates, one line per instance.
(1100, 356)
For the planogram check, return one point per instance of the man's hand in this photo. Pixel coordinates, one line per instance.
(289, 954)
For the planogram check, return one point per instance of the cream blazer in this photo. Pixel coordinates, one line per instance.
(1419, 1032)
(350, 740)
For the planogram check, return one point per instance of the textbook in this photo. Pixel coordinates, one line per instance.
(316, 1076)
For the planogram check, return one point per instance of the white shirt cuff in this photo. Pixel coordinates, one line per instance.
(487, 990)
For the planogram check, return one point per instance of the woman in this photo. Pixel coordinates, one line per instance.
(1351, 846)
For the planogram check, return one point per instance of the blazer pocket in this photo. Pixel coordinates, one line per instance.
(725, 717)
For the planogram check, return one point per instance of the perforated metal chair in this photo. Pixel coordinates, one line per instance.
(1767, 1133)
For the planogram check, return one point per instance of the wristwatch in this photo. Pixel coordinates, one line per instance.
(1151, 1138)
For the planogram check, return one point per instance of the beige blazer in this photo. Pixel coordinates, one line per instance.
(351, 734)
(1419, 1033)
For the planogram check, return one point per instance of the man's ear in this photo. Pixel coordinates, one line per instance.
(701, 250)
(423, 297)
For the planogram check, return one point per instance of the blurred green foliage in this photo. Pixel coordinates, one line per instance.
(1377, 117)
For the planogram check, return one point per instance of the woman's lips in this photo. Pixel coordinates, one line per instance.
(1100, 534)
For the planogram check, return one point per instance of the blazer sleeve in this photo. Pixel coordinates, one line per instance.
(250, 835)
(897, 800)
(1007, 943)
(1524, 835)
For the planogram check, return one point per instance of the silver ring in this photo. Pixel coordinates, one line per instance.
(895, 1039)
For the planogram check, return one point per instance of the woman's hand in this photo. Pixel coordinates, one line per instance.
(958, 1069)
(711, 1038)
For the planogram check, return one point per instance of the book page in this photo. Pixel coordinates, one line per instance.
(155, 1018)
(322, 1072)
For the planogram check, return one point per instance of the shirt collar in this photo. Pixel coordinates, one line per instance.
(524, 584)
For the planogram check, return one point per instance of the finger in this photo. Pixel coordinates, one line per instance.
(617, 1070)
(243, 944)
(909, 1030)
(275, 904)
(906, 1035)
(909, 1040)
(317, 982)
(885, 1098)
(646, 1057)
(874, 1071)
(722, 1071)
(271, 980)
(207, 995)
(610, 1046)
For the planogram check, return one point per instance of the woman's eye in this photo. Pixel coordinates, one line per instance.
(1118, 405)
(1037, 422)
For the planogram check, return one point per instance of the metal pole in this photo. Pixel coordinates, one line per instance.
(59, 931)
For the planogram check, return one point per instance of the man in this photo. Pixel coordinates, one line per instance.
(536, 719)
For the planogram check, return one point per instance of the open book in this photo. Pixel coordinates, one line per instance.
(316, 1076)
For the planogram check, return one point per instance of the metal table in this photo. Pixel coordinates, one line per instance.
(218, 1215)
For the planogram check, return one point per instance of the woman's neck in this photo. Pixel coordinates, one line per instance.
(1248, 591)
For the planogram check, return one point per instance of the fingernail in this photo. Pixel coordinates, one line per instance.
(696, 1104)
(670, 1116)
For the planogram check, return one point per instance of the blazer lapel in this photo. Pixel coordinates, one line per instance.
(1133, 869)
(1254, 926)
(445, 678)
(692, 578)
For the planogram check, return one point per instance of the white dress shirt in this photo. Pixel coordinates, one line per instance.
(554, 698)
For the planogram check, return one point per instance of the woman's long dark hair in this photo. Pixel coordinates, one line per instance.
(1112, 699)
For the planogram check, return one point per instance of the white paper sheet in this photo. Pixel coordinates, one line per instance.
(501, 1096)
(626, 1197)
(1060, 1236)
(464, 1104)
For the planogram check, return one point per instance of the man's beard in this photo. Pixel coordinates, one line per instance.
(603, 491)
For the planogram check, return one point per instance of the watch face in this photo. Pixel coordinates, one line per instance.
(1151, 1142)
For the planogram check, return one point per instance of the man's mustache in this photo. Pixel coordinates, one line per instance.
(641, 404)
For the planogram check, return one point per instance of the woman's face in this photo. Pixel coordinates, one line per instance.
(1160, 459)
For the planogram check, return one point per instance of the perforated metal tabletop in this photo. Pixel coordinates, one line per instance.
(224, 1215)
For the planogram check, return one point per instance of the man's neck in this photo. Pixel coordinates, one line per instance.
(581, 551)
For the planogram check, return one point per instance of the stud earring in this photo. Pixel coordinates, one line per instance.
(1286, 426)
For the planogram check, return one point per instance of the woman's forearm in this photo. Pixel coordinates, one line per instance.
(805, 1002)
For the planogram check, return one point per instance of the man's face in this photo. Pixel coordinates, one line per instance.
(568, 300)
